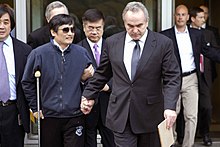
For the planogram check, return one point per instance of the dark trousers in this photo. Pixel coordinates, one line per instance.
(11, 133)
(62, 132)
(94, 123)
(205, 108)
(129, 139)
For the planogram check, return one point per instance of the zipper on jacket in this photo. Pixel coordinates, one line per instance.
(61, 79)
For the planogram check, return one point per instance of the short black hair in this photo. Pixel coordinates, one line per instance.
(194, 11)
(92, 15)
(59, 20)
(5, 8)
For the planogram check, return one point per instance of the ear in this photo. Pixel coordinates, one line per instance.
(53, 33)
(187, 16)
(192, 19)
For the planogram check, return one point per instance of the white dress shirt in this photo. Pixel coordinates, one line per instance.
(91, 44)
(9, 57)
(128, 50)
(185, 49)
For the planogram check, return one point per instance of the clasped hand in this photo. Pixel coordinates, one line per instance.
(86, 105)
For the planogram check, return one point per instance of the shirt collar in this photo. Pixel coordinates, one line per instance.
(8, 40)
(62, 50)
(142, 39)
(184, 32)
(99, 43)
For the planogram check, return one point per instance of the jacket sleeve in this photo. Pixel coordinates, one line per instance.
(29, 80)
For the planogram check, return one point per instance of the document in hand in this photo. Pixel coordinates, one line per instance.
(166, 135)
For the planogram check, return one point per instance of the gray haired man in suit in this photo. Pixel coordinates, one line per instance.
(146, 81)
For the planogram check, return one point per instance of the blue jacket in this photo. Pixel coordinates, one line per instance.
(60, 81)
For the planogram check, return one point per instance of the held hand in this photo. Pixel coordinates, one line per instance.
(86, 105)
(36, 115)
(170, 115)
(88, 73)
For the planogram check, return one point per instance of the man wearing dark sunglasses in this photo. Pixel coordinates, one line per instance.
(93, 26)
(62, 66)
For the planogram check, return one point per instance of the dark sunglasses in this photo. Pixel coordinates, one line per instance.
(67, 29)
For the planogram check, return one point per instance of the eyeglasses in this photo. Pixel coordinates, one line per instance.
(67, 29)
(98, 29)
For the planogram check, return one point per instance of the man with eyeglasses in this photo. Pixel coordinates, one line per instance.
(62, 66)
(93, 26)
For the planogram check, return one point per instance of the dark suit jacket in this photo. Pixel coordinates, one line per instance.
(155, 86)
(42, 36)
(21, 51)
(209, 66)
(39, 37)
(103, 97)
(195, 36)
(198, 44)
(215, 31)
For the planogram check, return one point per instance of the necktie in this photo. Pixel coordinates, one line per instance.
(97, 54)
(135, 59)
(4, 81)
(201, 63)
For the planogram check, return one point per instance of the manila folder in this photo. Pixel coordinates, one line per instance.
(166, 135)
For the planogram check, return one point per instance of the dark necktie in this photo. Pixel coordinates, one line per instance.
(4, 82)
(135, 59)
(97, 54)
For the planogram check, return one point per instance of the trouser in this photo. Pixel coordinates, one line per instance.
(129, 139)
(189, 97)
(62, 132)
(11, 133)
(94, 122)
(205, 108)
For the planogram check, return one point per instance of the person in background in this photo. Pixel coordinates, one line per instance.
(42, 35)
(14, 110)
(145, 81)
(197, 19)
(209, 27)
(62, 66)
(111, 27)
(188, 44)
(93, 25)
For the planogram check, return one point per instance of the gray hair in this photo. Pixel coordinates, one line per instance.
(53, 5)
(135, 7)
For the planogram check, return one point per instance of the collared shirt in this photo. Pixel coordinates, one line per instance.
(62, 50)
(185, 49)
(128, 50)
(204, 25)
(9, 57)
(91, 44)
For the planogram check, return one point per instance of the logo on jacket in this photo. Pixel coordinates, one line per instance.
(79, 130)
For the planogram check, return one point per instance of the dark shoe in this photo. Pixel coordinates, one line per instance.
(207, 141)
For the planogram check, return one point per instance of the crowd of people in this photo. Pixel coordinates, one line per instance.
(120, 82)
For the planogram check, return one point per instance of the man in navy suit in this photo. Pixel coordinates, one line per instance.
(14, 113)
(140, 98)
(93, 25)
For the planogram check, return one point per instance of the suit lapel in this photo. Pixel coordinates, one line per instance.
(87, 46)
(17, 60)
(148, 49)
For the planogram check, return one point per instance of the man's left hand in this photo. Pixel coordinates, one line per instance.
(170, 115)
(86, 105)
